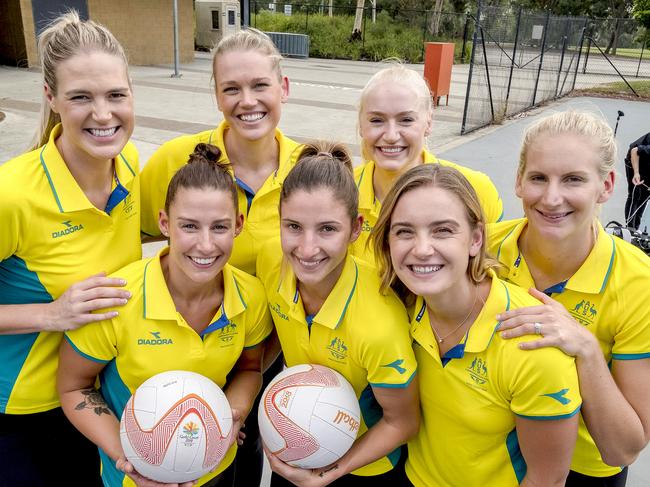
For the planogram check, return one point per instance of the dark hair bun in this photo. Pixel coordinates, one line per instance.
(205, 153)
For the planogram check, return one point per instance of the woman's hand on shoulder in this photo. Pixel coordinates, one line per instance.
(123, 465)
(74, 308)
(552, 322)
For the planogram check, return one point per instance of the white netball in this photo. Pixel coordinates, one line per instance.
(309, 416)
(176, 427)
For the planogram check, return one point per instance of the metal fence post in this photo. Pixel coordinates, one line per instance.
(541, 56)
(176, 74)
(307, 20)
(584, 67)
(477, 25)
(424, 32)
(645, 41)
(487, 73)
(363, 30)
(582, 41)
(564, 41)
(512, 62)
(465, 32)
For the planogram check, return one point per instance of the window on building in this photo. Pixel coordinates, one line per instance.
(215, 19)
(231, 17)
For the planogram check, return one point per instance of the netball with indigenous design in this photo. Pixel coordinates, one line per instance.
(176, 427)
(309, 416)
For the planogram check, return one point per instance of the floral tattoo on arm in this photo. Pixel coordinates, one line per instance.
(93, 400)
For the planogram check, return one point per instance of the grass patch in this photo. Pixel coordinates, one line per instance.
(619, 89)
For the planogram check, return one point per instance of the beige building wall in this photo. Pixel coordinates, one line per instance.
(146, 29)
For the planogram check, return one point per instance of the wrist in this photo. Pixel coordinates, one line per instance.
(43, 317)
(589, 351)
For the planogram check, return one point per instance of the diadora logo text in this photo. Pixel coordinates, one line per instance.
(345, 418)
(338, 349)
(277, 309)
(365, 226)
(69, 228)
(156, 340)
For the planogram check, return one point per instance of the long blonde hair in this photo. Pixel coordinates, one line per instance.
(65, 37)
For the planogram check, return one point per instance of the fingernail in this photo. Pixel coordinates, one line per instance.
(499, 317)
(123, 282)
(128, 295)
(123, 301)
(114, 314)
(504, 335)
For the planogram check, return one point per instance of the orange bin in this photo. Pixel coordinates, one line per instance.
(438, 60)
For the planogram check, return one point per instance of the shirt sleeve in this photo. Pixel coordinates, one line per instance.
(542, 384)
(95, 341)
(154, 179)
(259, 323)
(387, 351)
(10, 227)
(631, 335)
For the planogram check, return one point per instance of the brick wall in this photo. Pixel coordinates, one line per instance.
(145, 28)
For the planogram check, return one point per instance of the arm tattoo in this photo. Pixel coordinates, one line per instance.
(333, 467)
(93, 400)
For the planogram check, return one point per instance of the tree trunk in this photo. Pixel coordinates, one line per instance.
(434, 27)
(358, 18)
(331, 7)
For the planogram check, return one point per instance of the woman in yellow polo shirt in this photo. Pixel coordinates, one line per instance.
(327, 310)
(250, 90)
(595, 288)
(213, 315)
(395, 118)
(69, 209)
(491, 413)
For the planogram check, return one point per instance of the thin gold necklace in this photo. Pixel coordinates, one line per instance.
(442, 339)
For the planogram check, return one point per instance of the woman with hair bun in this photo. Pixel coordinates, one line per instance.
(327, 310)
(594, 287)
(189, 294)
(69, 209)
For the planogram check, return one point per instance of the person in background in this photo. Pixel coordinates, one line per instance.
(395, 118)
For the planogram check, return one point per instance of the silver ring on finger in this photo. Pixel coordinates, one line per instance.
(538, 328)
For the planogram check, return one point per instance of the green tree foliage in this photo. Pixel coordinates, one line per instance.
(641, 12)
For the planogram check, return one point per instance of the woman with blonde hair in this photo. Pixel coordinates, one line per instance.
(594, 288)
(491, 414)
(69, 209)
(395, 118)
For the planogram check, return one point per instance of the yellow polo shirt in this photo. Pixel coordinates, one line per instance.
(609, 295)
(358, 332)
(471, 396)
(52, 236)
(149, 336)
(260, 209)
(369, 205)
